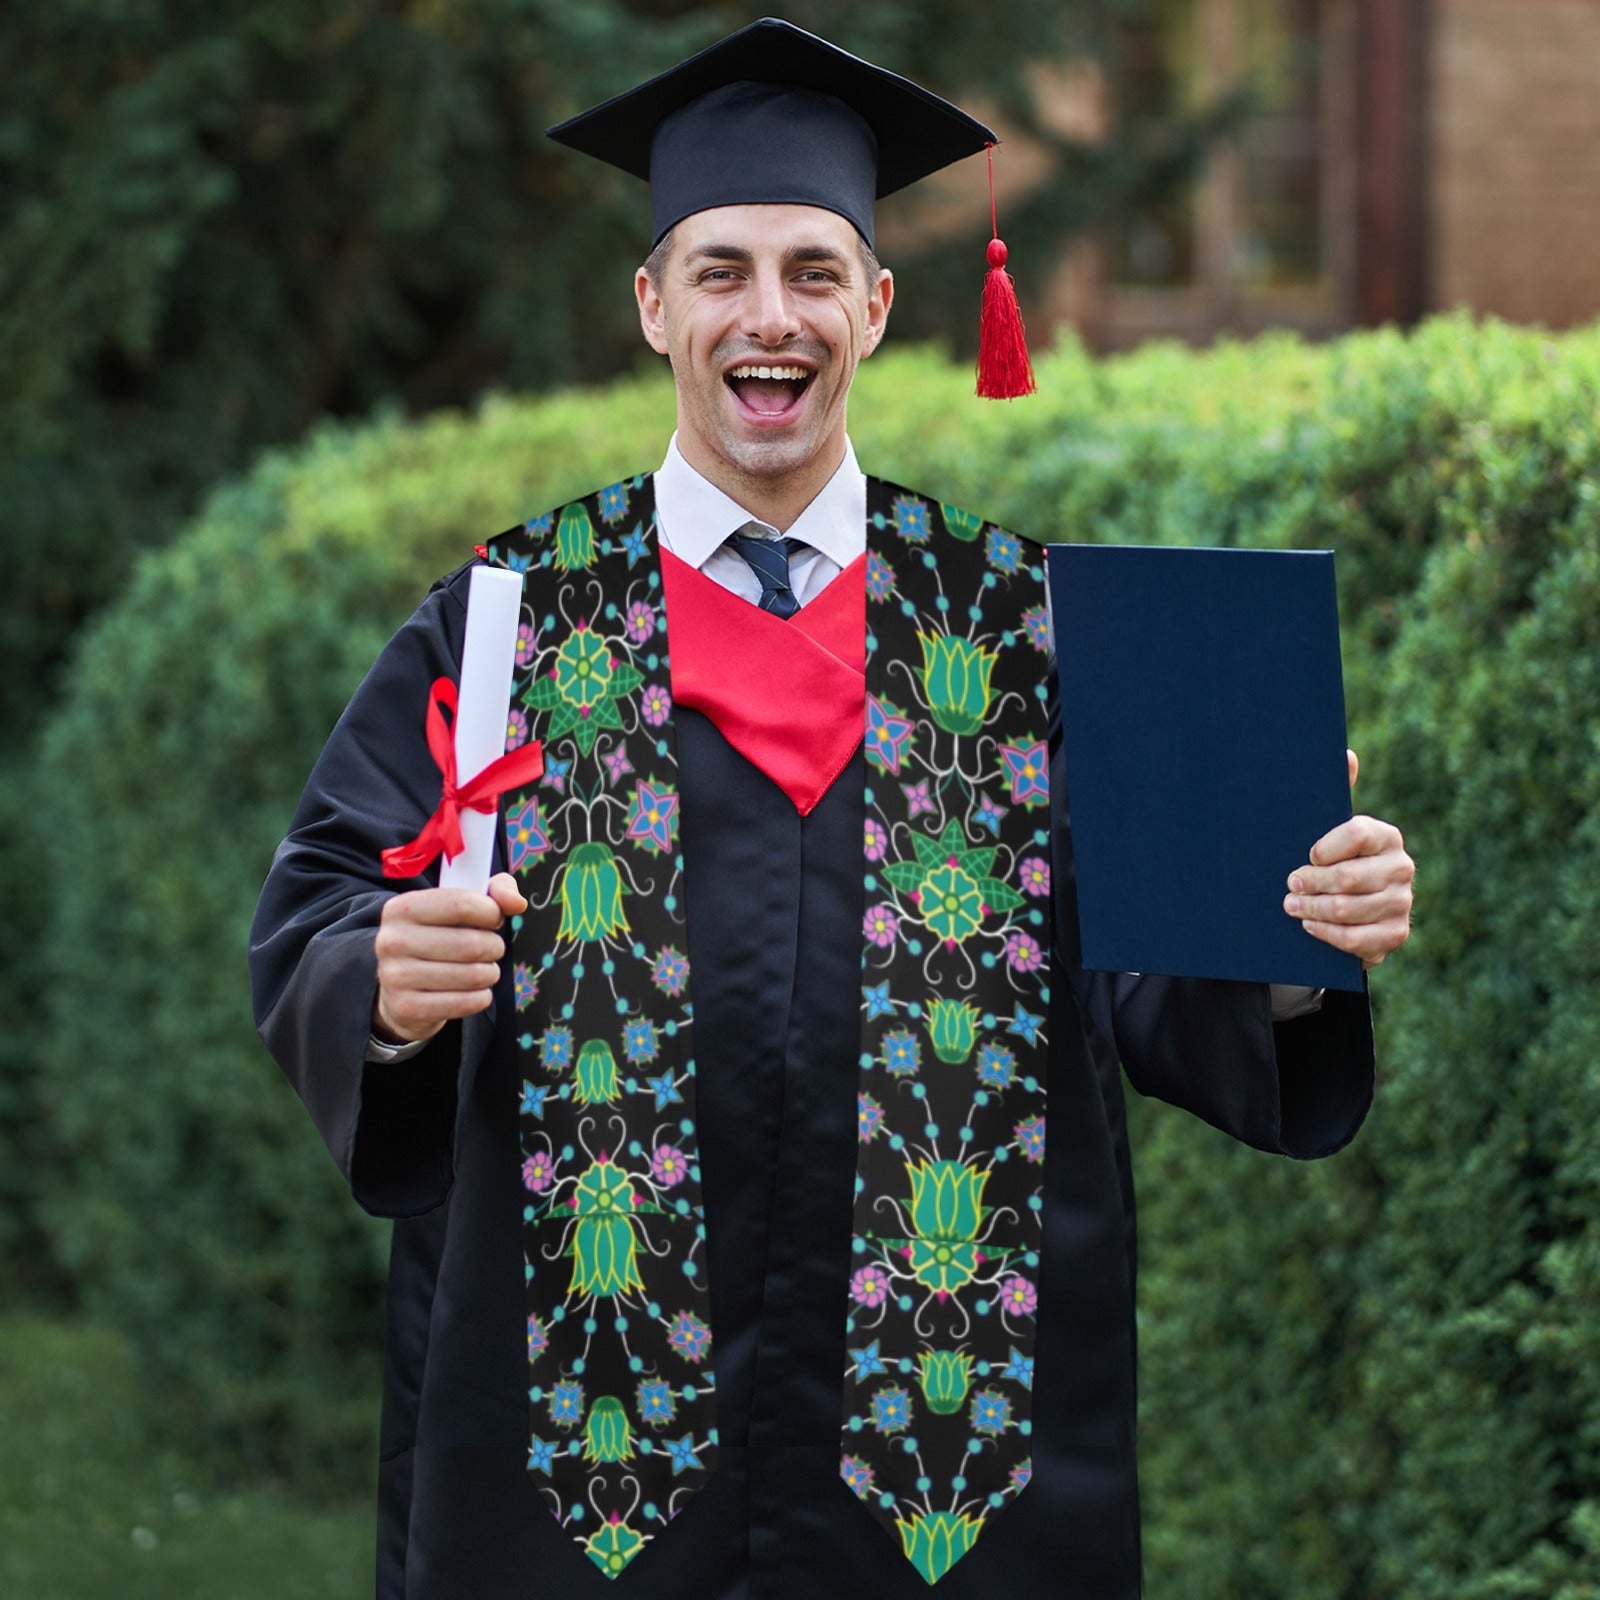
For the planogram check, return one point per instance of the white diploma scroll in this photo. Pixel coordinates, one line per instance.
(494, 607)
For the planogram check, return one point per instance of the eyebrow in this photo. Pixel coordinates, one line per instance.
(795, 255)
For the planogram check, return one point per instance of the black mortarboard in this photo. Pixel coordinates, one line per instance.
(774, 115)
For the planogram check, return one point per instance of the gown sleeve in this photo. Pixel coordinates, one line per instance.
(1300, 1088)
(313, 965)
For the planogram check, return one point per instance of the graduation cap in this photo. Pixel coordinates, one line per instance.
(773, 115)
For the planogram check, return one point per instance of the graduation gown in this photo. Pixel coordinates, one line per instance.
(775, 905)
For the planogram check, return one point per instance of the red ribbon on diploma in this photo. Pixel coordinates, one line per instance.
(442, 831)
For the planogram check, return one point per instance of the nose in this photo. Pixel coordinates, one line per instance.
(771, 317)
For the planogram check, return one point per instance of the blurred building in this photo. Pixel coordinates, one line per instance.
(1400, 157)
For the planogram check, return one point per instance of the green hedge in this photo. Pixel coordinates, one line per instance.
(1371, 1378)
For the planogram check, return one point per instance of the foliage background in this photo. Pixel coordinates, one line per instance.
(239, 249)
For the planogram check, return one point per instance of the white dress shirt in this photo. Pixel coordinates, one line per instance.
(693, 520)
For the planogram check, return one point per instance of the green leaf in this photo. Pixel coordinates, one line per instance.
(905, 877)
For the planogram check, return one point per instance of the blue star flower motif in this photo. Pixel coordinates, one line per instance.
(526, 839)
(911, 519)
(1027, 770)
(682, 1453)
(902, 1054)
(880, 576)
(639, 1040)
(891, 1410)
(989, 815)
(555, 774)
(1036, 623)
(991, 1412)
(1019, 1367)
(533, 1099)
(541, 1453)
(1004, 550)
(614, 503)
(868, 1362)
(539, 527)
(555, 1049)
(566, 1405)
(520, 563)
(1025, 1024)
(633, 545)
(657, 1404)
(997, 1066)
(878, 1002)
(664, 1089)
(653, 822)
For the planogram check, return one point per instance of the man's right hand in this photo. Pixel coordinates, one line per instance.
(439, 954)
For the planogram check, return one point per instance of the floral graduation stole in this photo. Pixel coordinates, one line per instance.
(943, 1289)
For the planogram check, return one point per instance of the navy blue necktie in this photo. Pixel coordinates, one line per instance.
(769, 560)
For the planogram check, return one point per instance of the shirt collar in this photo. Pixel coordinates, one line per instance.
(696, 517)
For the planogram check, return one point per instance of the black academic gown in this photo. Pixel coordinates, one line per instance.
(775, 905)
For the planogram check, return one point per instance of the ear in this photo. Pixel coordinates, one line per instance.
(879, 299)
(652, 315)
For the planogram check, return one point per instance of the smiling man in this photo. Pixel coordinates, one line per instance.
(756, 1144)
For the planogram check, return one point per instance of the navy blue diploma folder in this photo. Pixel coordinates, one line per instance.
(1202, 711)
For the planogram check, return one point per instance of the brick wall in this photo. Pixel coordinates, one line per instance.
(1514, 162)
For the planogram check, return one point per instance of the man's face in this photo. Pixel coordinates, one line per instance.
(764, 311)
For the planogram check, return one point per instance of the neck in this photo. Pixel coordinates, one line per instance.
(777, 500)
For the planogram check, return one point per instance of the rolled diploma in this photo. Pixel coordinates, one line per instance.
(494, 607)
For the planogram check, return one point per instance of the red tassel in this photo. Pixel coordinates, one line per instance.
(1004, 370)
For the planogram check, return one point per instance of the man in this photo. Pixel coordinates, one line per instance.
(633, 1299)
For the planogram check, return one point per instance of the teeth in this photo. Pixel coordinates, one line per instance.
(798, 374)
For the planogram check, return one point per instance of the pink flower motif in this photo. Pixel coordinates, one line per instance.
(538, 1337)
(516, 730)
(539, 1171)
(918, 798)
(669, 1164)
(655, 704)
(1034, 874)
(877, 838)
(527, 644)
(869, 1286)
(1023, 953)
(880, 925)
(639, 623)
(1019, 1297)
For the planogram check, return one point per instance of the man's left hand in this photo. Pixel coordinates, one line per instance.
(1355, 892)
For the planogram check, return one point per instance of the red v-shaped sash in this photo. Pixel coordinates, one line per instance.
(789, 696)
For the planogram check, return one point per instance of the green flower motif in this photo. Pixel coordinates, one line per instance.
(595, 1081)
(961, 524)
(591, 895)
(605, 1247)
(955, 678)
(574, 539)
(606, 1435)
(946, 1213)
(583, 669)
(581, 692)
(945, 1376)
(614, 1546)
(952, 904)
(935, 1541)
(953, 889)
(953, 1029)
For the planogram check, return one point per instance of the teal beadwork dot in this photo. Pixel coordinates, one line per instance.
(997, 1499)
(558, 1314)
(648, 1509)
(547, 961)
(907, 609)
(967, 1136)
(896, 1142)
(608, 967)
(611, 605)
(987, 958)
(1002, 1154)
(872, 642)
(931, 1130)
(690, 1270)
(1031, 1258)
(631, 1085)
(854, 1424)
(589, 1325)
(1024, 1428)
(567, 1152)
(711, 1435)
(914, 1009)
(525, 1042)
(652, 661)
(653, 1309)
(981, 1097)
(867, 1058)
(886, 1500)
(527, 1213)
(575, 1511)
(925, 1484)
(621, 1324)
(858, 1245)
(670, 902)
(1036, 918)
(871, 883)
(635, 1363)
(990, 581)
(909, 1446)
(686, 1126)
(536, 1394)
(867, 796)
(638, 952)
(635, 1148)
(661, 747)
(1031, 1084)
(577, 1367)
(975, 612)
(686, 1392)
(914, 946)
(1044, 994)
(942, 603)
(1035, 1203)
(958, 1483)
(1008, 638)
(1040, 837)
(670, 1028)
(905, 1302)
(929, 560)
(566, 1013)
(577, 972)
(982, 1369)
(919, 1091)
(980, 1308)
(988, 1019)
(973, 1447)
(516, 923)
(682, 1208)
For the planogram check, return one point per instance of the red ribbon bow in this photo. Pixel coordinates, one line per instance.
(442, 831)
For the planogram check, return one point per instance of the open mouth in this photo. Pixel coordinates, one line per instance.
(769, 391)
